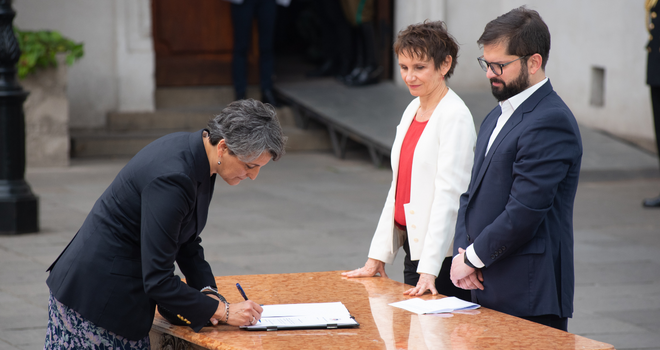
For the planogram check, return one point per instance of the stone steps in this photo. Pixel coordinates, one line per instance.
(179, 109)
(195, 96)
(104, 143)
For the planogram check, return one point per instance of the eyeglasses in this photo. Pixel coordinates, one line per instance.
(496, 68)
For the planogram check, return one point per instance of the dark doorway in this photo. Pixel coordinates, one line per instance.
(193, 43)
(299, 38)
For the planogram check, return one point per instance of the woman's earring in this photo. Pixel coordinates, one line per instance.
(219, 163)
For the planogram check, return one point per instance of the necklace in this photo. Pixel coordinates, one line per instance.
(421, 114)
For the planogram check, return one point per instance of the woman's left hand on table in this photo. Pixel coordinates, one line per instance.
(426, 282)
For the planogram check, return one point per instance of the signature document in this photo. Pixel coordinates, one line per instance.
(304, 316)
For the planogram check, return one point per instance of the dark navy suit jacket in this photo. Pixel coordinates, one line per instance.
(518, 210)
(120, 264)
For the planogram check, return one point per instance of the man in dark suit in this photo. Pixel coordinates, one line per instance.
(513, 245)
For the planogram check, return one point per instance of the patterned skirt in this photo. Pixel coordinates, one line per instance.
(67, 329)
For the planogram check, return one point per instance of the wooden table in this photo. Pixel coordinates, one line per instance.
(381, 326)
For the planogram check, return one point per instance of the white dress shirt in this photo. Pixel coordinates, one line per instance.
(508, 107)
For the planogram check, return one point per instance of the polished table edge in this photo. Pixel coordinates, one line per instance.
(202, 340)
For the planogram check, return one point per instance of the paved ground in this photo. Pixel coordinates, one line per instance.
(314, 212)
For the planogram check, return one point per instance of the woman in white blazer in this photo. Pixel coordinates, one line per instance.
(431, 160)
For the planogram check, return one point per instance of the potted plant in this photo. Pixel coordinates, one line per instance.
(42, 72)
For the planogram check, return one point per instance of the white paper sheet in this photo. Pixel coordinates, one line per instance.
(300, 316)
(336, 309)
(420, 306)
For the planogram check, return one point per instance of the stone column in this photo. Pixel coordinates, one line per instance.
(18, 205)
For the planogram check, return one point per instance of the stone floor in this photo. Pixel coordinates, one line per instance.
(314, 212)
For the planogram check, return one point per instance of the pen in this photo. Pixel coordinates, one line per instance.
(238, 285)
(240, 289)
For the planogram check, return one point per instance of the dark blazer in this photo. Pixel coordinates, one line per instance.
(120, 264)
(518, 210)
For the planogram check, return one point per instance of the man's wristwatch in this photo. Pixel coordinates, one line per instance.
(467, 261)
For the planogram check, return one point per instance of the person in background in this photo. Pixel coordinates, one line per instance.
(105, 285)
(514, 234)
(653, 78)
(336, 40)
(361, 14)
(431, 162)
(242, 13)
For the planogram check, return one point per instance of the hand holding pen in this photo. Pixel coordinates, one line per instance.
(245, 313)
(256, 319)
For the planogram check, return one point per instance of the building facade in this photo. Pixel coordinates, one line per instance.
(117, 71)
(597, 61)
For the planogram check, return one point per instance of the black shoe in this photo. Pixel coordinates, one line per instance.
(348, 78)
(267, 96)
(367, 76)
(651, 202)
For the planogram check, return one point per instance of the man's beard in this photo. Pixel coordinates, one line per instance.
(517, 86)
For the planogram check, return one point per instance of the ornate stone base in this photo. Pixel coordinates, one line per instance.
(161, 341)
(47, 117)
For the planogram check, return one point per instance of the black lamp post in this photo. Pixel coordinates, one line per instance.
(19, 207)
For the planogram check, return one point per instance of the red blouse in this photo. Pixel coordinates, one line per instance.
(405, 170)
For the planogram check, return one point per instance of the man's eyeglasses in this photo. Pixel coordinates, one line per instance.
(496, 68)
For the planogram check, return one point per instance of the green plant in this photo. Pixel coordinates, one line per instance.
(38, 49)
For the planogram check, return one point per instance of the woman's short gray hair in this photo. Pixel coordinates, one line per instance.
(249, 129)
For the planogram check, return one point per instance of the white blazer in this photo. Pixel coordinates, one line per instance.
(440, 174)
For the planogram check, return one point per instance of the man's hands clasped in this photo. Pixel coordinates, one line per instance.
(463, 276)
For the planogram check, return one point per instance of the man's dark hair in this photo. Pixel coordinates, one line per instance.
(522, 30)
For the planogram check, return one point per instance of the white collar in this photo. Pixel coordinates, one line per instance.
(518, 99)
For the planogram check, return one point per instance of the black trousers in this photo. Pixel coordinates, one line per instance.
(443, 283)
(655, 103)
(335, 34)
(265, 12)
(553, 321)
